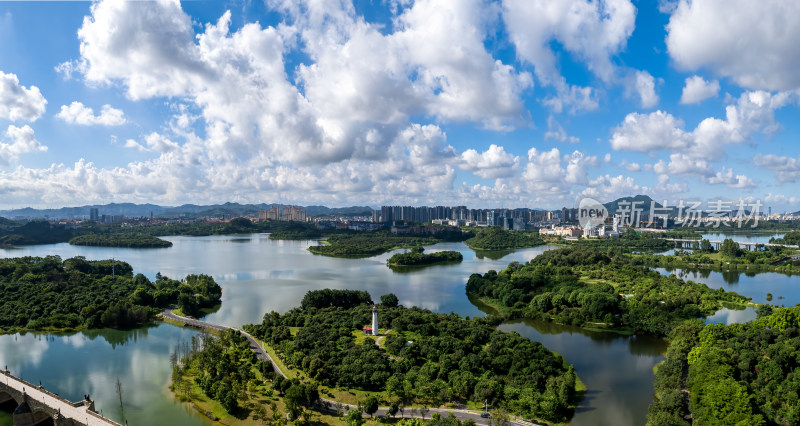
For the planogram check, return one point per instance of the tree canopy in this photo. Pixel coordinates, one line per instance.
(428, 358)
(41, 293)
(583, 284)
(496, 238)
(734, 374)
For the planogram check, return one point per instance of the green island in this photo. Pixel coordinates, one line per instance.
(743, 374)
(48, 294)
(496, 238)
(584, 286)
(421, 360)
(366, 244)
(129, 241)
(417, 257)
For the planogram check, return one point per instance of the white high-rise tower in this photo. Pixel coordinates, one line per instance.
(374, 320)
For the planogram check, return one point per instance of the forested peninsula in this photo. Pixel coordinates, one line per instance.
(584, 286)
(48, 294)
(425, 360)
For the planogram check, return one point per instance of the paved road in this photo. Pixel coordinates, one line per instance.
(330, 404)
(254, 346)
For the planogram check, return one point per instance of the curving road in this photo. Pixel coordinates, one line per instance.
(328, 404)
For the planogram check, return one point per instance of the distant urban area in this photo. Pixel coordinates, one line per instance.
(640, 212)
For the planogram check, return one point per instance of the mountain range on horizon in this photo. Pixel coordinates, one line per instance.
(234, 209)
(171, 212)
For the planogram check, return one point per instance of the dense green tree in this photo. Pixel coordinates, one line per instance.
(339, 298)
(389, 300)
(294, 400)
(354, 418)
(371, 405)
(729, 248)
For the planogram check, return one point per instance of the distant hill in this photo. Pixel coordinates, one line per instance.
(643, 202)
(126, 209)
(189, 211)
(339, 211)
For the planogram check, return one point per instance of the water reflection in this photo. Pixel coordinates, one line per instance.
(730, 277)
(730, 315)
(492, 254)
(617, 369)
(784, 288)
(73, 365)
(758, 238)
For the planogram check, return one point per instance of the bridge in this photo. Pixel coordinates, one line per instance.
(695, 244)
(36, 406)
(327, 404)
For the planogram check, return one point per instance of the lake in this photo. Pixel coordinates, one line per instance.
(259, 275)
(785, 289)
(758, 238)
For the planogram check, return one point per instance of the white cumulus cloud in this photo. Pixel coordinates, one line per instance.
(153, 142)
(643, 85)
(592, 30)
(18, 141)
(696, 90)
(18, 102)
(753, 112)
(493, 163)
(785, 169)
(649, 132)
(752, 42)
(78, 113)
(728, 178)
(682, 164)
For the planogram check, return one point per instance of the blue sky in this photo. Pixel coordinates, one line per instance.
(515, 103)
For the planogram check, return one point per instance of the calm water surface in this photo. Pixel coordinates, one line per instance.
(759, 238)
(90, 362)
(617, 370)
(785, 289)
(259, 275)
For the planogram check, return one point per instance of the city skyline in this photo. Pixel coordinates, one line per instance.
(477, 103)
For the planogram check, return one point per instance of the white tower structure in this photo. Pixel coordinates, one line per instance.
(374, 320)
